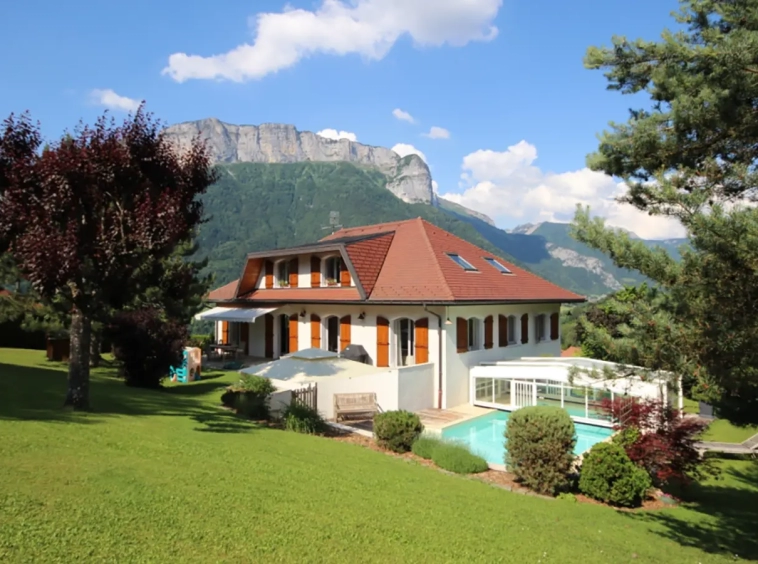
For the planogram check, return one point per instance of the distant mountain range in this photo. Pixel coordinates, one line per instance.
(278, 186)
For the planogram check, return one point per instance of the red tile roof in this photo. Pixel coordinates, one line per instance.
(304, 295)
(417, 268)
(407, 261)
(225, 292)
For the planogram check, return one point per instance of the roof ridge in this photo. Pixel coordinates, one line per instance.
(430, 249)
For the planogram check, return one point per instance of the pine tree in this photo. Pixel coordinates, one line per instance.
(690, 156)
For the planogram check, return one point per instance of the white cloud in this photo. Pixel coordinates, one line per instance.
(113, 101)
(403, 149)
(437, 133)
(368, 28)
(403, 116)
(334, 134)
(507, 186)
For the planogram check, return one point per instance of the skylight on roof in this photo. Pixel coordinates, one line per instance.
(496, 264)
(462, 262)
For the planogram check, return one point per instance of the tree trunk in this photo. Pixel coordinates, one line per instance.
(78, 366)
(95, 347)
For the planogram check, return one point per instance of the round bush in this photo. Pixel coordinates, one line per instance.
(539, 444)
(609, 475)
(424, 446)
(397, 430)
(303, 419)
(457, 458)
(250, 396)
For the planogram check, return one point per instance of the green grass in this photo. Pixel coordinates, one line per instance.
(721, 430)
(169, 477)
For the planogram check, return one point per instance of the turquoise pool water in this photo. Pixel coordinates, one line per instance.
(484, 435)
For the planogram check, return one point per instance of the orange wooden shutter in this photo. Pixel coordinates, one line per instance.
(525, 328)
(268, 327)
(382, 342)
(502, 331)
(225, 332)
(269, 274)
(422, 340)
(293, 280)
(554, 327)
(461, 334)
(344, 274)
(489, 332)
(315, 272)
(245, 336)
(345, 336)
(293, 332)
(315, 331)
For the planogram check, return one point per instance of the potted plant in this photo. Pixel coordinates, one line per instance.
(331, 282)
(284, 283)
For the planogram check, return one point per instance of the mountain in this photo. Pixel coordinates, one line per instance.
(258, 206)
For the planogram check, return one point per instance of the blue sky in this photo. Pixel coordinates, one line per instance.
(503, 77)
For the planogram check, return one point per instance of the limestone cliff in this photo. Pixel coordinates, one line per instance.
(407, 177)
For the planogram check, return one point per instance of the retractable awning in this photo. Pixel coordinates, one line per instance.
(240, 314)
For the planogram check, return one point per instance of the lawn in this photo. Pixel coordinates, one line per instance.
(721, 430)
(169, 477)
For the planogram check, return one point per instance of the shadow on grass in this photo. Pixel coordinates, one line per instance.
(725, 521)
(36, 393)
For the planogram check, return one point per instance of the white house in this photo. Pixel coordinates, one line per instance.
(408, 292)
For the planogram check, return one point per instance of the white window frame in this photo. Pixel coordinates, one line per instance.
(474, 334)
(396, 357)
(540, 326)
(513, 332)
(282, 281)
(325, 332)
(325, 269)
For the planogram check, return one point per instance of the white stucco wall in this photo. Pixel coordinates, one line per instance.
(456, 369)
(416, 387)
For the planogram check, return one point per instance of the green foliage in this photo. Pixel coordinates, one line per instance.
(424, 446)
(302, 418)
(608, 475)
(152, 449)
(200, 341)
(250, 396)
(458, 458)
(567, 496)
(539, 442)
(397, 430)
(690, 156)
(626, 437)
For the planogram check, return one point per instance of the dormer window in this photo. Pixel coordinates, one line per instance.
(462, 262)
(496, 264)
(332, 270)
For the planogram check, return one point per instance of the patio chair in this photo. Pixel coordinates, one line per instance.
(179, 374)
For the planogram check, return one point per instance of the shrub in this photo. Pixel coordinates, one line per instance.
(147, 345)
(302, 418)
(200, 341)
(566, 496)
(397, 430)
(250, 396)
(656, 438)
(424, 446)
(539, 444)
(609, 475)
(457, 458)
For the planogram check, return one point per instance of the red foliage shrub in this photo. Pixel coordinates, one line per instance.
(664, 441)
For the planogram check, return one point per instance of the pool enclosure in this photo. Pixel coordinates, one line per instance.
(527, 381)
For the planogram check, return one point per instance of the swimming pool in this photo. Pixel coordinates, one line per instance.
(484, 435)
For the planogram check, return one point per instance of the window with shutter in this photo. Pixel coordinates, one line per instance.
(422, 340)
(502, 331)
(489, 337)
(315, 331)
(461, 334)
(555, 328)
(269, 274)
(382, 342)
(315, 272)
(225, 332)
(293, 332)
(293, 273)
(525, 328)
(344, 275)
(345, 336)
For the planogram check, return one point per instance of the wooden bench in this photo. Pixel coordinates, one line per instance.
(355, 404)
